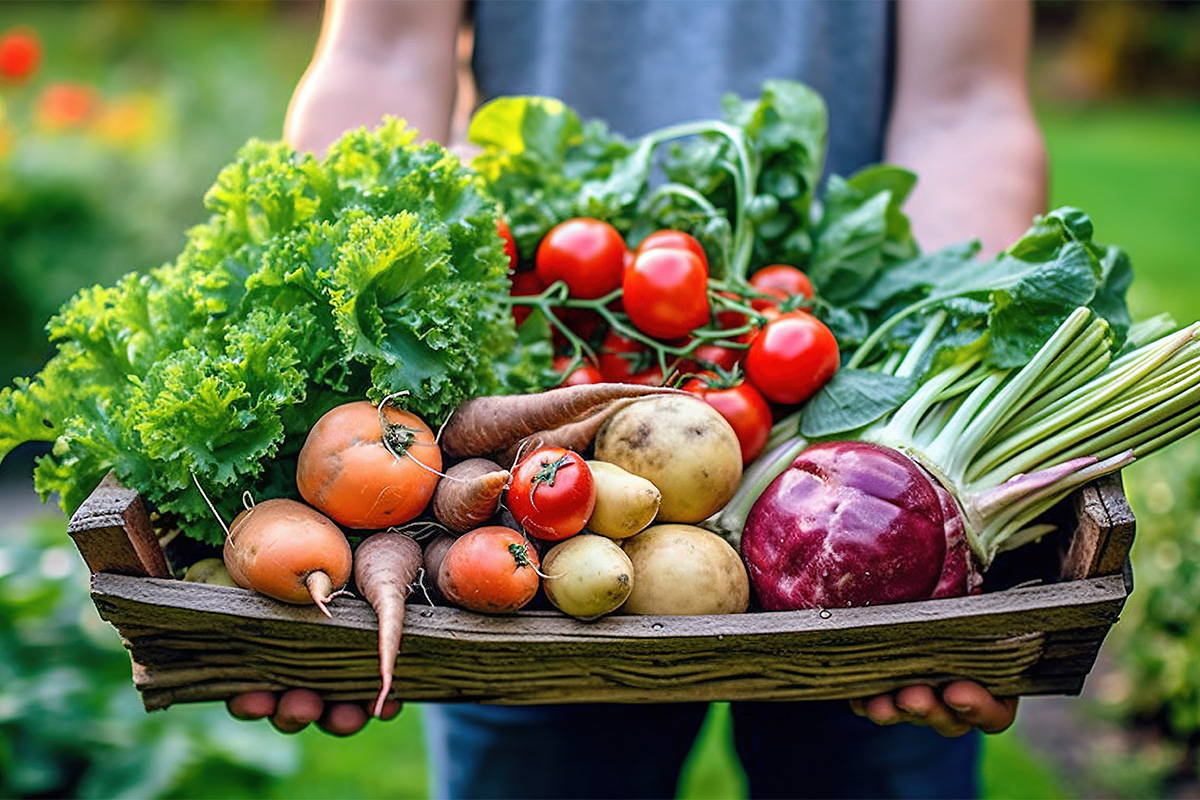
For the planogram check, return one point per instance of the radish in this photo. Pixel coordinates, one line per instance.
(921, 503)
(288, 551)
(385, 568)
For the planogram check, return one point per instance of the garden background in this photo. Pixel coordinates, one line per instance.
(106, 150)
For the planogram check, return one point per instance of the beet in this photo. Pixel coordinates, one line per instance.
(852, 524)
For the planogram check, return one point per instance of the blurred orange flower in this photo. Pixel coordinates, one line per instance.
(128, 120)
(65, 105)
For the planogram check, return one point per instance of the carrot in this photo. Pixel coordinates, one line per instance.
(469, 493)
(385, 567)
(288, 551)
(492, 424)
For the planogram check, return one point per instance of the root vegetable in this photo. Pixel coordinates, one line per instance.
(683, 446)
(625, 503)
(469, 493)
(369, 467)
(435, 553)
(576, 436)
(488, 425)
(491, 570)
(682, 569)
(288, 551)
(587, 576)
(209, 570)
(385, 567)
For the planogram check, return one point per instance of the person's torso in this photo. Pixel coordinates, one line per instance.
(640, 65)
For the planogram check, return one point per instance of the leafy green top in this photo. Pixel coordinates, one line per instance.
(375, 270)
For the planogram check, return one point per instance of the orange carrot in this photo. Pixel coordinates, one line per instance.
(469, 493)
(385, 566)
(288, 551)
(488, 425)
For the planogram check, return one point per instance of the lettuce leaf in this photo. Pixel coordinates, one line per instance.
(313, 282)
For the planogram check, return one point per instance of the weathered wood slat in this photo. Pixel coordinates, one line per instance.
(194, 642)
(112, 531)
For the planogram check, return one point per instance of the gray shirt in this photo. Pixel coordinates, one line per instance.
(642, 64)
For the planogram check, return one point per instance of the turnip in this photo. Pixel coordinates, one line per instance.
(924, 500)
(288, 551)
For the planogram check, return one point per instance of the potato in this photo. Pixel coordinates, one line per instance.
(683, 446)
(682, 569)
(587, 576)
(209, 570)
(625, 503)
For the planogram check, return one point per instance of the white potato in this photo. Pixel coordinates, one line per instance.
(683, 446)
(625, 503)
(682, 569)
(587, 576)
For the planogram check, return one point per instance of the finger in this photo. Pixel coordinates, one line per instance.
(251, 705)
(979, 707)
(924, 707)
(297, 709)
(343, 719)
(882, 710)
(390, 709)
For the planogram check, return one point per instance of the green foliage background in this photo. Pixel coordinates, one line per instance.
(74, 213)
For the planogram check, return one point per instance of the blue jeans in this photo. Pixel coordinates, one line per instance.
(788, 750)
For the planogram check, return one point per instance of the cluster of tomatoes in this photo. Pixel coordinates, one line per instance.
(776, 352)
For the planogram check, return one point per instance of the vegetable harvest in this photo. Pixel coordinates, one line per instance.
(683, 374)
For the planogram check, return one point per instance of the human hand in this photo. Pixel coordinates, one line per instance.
(957, 709)
(295, 709)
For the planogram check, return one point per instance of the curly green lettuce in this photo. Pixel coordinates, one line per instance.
(374, 270)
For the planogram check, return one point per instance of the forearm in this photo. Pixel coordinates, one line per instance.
(375, 59)
(981, 168)
(962, 120)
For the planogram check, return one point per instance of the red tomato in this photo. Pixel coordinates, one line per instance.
(621, 357)
(781, 281)
(510, 245)
(582, 374)
(524, 284)
(651, 376)
(552, 493)
(674, 240)
(666, 293)
(492, 570)
(20, 54)
(792, 357)
(588, 254)
(743, 406)
(707, 356)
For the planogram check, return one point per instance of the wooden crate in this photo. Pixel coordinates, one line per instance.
(192, 642)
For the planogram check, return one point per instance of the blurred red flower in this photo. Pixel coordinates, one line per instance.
(20, 54)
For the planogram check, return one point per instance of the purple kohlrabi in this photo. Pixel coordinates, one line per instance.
(854, 524)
